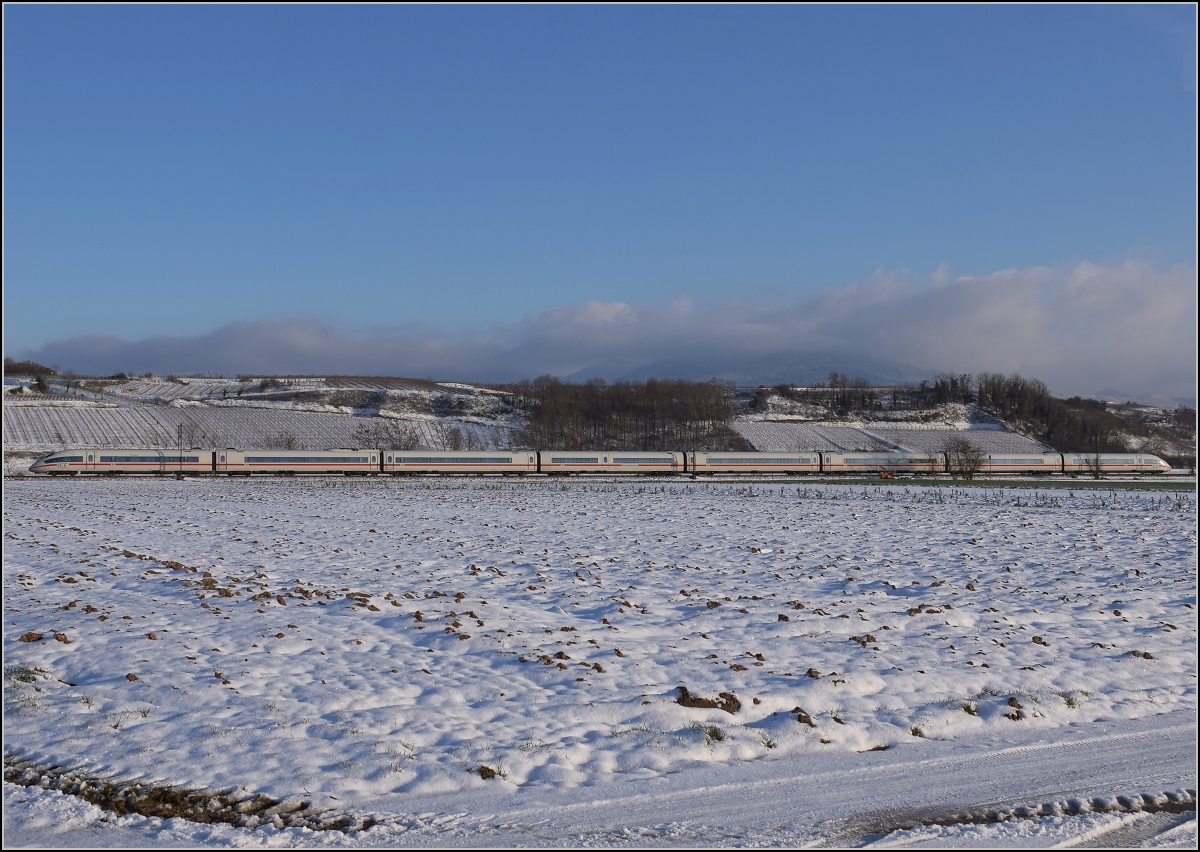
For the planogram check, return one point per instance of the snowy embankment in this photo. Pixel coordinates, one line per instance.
(490, 662)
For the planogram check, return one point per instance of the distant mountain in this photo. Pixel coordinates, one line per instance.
(799, 367)
(608, 369)
(1157, 400)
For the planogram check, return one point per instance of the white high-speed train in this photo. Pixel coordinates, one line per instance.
(230, 462)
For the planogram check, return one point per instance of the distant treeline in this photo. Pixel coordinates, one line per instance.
(26, 368)
(659, 414)
(844, 395)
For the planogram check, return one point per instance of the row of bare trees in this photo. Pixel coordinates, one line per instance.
(26, 368)
(843, 394)
(657, 414)
(390, 434)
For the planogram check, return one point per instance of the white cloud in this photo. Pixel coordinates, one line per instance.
(1079, 330)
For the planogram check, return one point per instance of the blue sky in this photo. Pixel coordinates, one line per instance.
(422, 179)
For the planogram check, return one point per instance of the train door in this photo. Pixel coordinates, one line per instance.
(90, 455)
(222, 460)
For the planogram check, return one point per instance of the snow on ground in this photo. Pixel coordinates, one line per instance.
(947, 415)
(782, 436)
(875, 659)
(935, 440)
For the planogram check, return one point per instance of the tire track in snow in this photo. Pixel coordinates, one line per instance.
(843, 796)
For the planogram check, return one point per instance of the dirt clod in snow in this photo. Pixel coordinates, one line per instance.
(726, 701)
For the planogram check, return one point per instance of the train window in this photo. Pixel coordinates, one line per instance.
(329, 460)
(454, 460)
(91, 459)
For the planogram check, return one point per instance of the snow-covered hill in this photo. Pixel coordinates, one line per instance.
(321, 413)
(305, 414)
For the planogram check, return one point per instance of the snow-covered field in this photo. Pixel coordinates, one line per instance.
(884, 665)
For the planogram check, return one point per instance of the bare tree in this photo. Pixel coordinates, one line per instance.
(471, 441)
(401, 436)
(284, 439)
(189, 432)
(364, 435)
(963, 458)
(1154, 445)
(213, 439)
(446, 437)
(387, 434)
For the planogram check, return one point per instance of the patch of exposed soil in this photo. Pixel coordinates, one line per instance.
(233, 807)
(726, 701)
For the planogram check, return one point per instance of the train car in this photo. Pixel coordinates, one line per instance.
(482, 461)
(714, 463)
(877, 462)
(1017, 463)
(72, 462)
(120, 461)
(611, 461)
(61, 463)
(247, 462)
(1091, 463)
